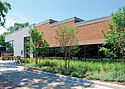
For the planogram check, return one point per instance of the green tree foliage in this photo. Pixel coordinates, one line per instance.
(67, 38)
(17, 26)
(37, 44)
(2, 40)
(6, 44)
(4, 8)
(115, 36)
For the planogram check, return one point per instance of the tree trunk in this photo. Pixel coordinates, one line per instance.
(98, 53)
(55, 52)
(36, 58)
(70, 48)
(65, 53)
(68, 61)
(84, 53)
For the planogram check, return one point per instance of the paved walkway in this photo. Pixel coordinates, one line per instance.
(13, 76)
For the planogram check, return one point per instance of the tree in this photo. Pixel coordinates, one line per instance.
(4, 8)
(44, 48)
(6, 44)
(115, 36)
(37, 45)
(67, 38)
(17, 26)
(2, 40)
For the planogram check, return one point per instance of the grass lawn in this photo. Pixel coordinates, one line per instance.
(90, 69)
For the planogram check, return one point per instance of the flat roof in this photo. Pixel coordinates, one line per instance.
(79, 23)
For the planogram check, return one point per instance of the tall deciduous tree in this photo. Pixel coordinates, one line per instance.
(2, 40)
(17, 26)
(4, 8)
(115, 36)
(6, 44)
(37, 45)
(67, 38)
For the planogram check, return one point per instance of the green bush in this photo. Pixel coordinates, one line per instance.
(6, 58)
(27, 60)
(74, 74)
(24, 61)
(30, 65)
(110, 76)
(59, 70)
(47, 68)
(67, 72)
(77, 74)
(89, 73)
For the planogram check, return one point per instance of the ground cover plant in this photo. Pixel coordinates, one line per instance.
(8, 58)
(105, 70)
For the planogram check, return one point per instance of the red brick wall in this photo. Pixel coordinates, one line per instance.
(92, 33)
(89, 34)
(50, 32)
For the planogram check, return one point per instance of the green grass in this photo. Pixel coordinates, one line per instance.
(91, 69)
(88, 65)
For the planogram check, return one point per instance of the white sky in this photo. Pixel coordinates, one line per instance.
(11, 18)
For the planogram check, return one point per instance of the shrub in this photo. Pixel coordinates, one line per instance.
(74, 74)
(47, 68)
(30, 65)
(110, 76)
(27, 60)
(68, 72)
(24, 61)
(59, 70)
(89, 73)
(77, 74)
(121, 78)
(6, 58)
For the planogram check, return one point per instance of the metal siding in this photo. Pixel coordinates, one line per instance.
(18, 40)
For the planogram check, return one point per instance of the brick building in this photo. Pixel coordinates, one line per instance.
(90, 34)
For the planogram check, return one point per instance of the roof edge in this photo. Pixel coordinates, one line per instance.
(17, 30)
(47, 21)
(101, 19)
(65, 21)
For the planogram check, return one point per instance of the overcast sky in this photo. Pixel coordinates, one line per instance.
(35, 11)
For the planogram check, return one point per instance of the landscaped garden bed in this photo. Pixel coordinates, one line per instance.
(10, 58)
(110, 71)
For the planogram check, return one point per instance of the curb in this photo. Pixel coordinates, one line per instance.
(75, 79)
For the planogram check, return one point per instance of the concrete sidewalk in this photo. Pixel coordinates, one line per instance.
(5, 84)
